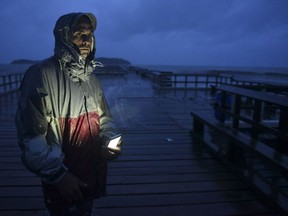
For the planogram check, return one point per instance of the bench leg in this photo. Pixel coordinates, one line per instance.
(236, 155)
(198, 126)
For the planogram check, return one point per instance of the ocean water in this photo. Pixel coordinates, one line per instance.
(191, 68)
(279, 75)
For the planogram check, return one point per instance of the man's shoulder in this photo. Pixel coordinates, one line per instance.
(95, 80)
(42, 66)
(47, 64)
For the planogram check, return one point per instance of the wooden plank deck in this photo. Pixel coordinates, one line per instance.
(163, 171)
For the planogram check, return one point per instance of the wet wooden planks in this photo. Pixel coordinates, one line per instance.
(195, 183)
(162, 171)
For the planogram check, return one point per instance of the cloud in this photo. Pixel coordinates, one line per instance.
(161, 31)
(149, 16)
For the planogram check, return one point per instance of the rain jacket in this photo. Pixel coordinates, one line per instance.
(63, 118)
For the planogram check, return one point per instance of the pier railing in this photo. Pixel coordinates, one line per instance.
(170, 80)
(279, 88)
(10, 83)
(249, 132)
(190, 81)
(163, 80)
(261, 112)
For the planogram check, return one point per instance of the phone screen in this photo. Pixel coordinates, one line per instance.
(114, 141)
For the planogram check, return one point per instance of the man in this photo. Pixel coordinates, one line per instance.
(63, 121)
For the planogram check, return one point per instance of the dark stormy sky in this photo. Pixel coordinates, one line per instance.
(161, 32)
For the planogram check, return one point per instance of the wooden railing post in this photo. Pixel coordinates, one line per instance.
(236, 111)
(10, 82)
(4, 84)
(282, 144)
(217, 80)
(222, 106)
(257, 116)
(198, 126)
(196, 81)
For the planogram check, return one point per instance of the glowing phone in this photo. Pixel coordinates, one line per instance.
(114, 141)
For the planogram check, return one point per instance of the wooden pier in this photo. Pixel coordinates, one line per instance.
(163, 170)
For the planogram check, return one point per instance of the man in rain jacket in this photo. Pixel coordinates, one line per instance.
(63, 121)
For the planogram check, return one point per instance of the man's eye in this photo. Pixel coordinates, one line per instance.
(78, 35)
(89, 36)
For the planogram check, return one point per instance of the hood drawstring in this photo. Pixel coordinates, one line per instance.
(77, 71)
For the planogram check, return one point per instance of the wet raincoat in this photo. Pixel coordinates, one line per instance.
(63, 118)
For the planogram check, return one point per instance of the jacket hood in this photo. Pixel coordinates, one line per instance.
(64, 48)
(77, 67)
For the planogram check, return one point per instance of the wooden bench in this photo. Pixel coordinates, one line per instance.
(260, 165)
(242, 154)
(260, 101)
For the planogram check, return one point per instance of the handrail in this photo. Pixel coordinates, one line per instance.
(205, 80)
(170, 80)
(260, 101)
(259, 95)
(10, 83)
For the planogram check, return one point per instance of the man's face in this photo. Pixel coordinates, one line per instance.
(82, 36)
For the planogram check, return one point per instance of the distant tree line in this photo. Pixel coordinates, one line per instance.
(104, 60)
(113, 61)
(24, 61)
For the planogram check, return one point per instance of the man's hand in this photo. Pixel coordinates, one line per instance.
(69, 187)
(111, 153)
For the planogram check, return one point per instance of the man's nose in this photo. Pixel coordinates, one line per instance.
(86, 38)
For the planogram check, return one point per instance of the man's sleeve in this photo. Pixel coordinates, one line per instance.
(107, 127)
(31, 120)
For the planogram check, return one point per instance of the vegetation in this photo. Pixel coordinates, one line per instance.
(24, 61)
(113, 61)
